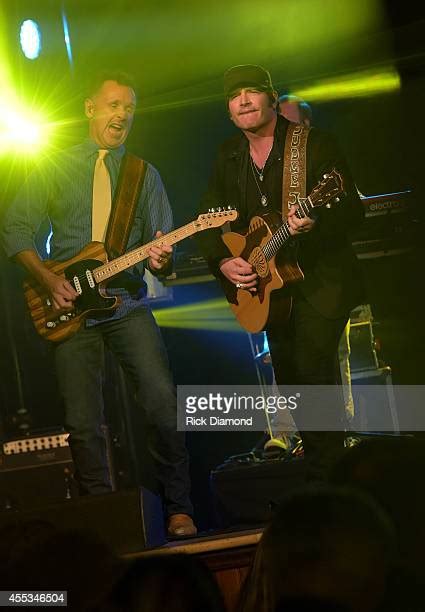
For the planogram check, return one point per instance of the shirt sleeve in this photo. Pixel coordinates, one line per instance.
(157, 205)
(160, 216)
(26, 213)
(344, 215)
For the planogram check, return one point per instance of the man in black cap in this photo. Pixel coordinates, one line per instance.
(248, 174)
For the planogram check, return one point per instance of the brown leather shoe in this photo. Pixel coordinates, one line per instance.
(181, 525)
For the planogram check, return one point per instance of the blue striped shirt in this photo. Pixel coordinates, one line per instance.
(61, 189)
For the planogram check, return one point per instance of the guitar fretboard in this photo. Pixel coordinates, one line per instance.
(127, 260)
(283, 234)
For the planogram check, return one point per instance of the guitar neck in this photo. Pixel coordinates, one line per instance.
(327, 189)
(283, 234)
(106, 271)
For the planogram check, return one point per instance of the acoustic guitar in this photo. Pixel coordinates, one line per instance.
(265, 237)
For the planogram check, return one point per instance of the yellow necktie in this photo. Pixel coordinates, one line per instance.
(101, 197)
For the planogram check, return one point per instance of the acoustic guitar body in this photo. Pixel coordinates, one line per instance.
(252, 309)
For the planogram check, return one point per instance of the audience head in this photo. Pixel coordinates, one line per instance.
(74, 560)
(325, 544)
(172, 582)
(389, 468)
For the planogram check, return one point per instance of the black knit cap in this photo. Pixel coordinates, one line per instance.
(246, 75)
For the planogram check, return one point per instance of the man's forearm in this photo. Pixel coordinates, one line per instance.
(30, 260)
(61, 291)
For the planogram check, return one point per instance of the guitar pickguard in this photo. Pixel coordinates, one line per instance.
(90, 296)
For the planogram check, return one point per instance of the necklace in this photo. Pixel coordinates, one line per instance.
(260, 171)
(263, 197)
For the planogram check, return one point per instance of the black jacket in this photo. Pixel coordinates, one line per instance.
(332, 282)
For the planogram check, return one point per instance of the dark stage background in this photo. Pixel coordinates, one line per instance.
(177, 53)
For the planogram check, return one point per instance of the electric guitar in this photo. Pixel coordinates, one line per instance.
(88, 273)
(265, 237)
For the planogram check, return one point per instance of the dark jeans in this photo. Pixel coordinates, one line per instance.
(304, 351)
(136, 341)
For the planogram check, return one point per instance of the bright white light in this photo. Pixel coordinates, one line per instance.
(25, 132)
(30, 37)
(21, 130)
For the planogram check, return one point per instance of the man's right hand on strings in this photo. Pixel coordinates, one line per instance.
(62, 293)
(240, 273)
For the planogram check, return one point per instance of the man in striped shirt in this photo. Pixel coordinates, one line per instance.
(62, 191)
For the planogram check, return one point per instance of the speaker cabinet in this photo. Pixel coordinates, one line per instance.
(128, 521)
(245, 494)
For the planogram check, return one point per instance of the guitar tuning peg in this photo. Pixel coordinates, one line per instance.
(337, 200)
(328, 205)
(219, 209)
(211, 210)
(325, 176)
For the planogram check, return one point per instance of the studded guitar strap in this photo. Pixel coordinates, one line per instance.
(294, 166)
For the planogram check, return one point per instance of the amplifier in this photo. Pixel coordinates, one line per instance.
(25, 445)
(34, 452)
(36, 470)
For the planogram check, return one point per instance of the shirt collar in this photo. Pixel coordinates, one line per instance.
(92, 149)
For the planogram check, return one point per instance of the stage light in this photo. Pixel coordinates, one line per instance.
(30, 37)
(21, 130)
(213, 315)
(364, 83)
(24, 131)
(327, 36)
(67, 38)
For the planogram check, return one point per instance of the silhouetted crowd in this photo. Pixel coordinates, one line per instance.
(353, 544)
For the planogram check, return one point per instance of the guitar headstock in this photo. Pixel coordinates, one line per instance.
(328, 190)
(216, 217)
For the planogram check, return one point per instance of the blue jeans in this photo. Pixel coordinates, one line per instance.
(136, 341)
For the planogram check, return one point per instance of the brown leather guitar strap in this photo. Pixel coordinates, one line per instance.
(129, 186)
(294, 166)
